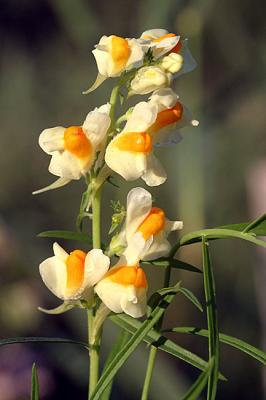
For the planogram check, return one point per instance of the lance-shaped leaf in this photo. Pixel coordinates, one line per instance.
(191, 297)
(34, 383)
(161, 342)
(239, 344)
(37, 339)
(210, 297)
(67, 235)
(165, 262)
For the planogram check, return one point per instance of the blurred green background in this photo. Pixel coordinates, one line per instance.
(217, 175)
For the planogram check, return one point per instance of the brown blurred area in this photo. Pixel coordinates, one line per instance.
(216, 175)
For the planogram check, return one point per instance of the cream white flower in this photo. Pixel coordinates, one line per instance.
(148, 79)
(160, 41)
(146, 228)
(163, 43)
(114, 55)
(124, 289)
(172, 115)
(73, 149)
(130, 153)
(72, 276)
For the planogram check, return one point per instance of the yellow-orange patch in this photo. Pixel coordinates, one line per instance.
(77, 143)
(167, 117)
(153, 223)
(128, 275)
(75, 270)
(120, 52)
(138, 142)
(168, 35)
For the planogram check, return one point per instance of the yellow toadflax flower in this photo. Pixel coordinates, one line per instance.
(73, 149)
(72, 276)
(124, 289)
(172, 115)
(146, 228)
(178, 59)
(114, 55)
(130, 153)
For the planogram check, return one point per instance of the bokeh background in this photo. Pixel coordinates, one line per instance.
(217, 175)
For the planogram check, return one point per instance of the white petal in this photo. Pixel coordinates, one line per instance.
(136, 55)
(96, 266)
(65, 165)
(160, 247)
(141, 118)
(153, 33)
(111, 294)
(171, 226)
(155, 174)
(98, 81)
(130, 165)
(55, 185)
(136, 247)
(104, 109)
(54, 275)
(164, 98)
(135, 306)
(52, 139)
(96, 126)
(104, 63)
(60, 252)
(139, 204)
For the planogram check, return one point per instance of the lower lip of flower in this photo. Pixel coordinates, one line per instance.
(76, 142)
(137, 142)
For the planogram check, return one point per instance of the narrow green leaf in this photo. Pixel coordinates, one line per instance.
(161, 342)
(190, 296)
(218, 233)
(62, 308)
(239, 344)
(68, 235)
(210, 297)
(198, 386)
(176, 264)
(130, 346)
(37, 339)
(120, 342)
(34, 383)
(257, 227)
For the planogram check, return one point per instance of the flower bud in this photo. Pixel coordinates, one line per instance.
(149, 79)
(172, 63)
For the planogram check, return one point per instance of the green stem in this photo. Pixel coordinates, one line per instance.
(153, 350)
(94, 347)
(149, 371)
(113, 101)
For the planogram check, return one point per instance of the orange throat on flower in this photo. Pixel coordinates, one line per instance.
(120, 52)
(136, 142)
(128, 275)
(75, 270)
(167, 117)
(77, 143)
(153, 223)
